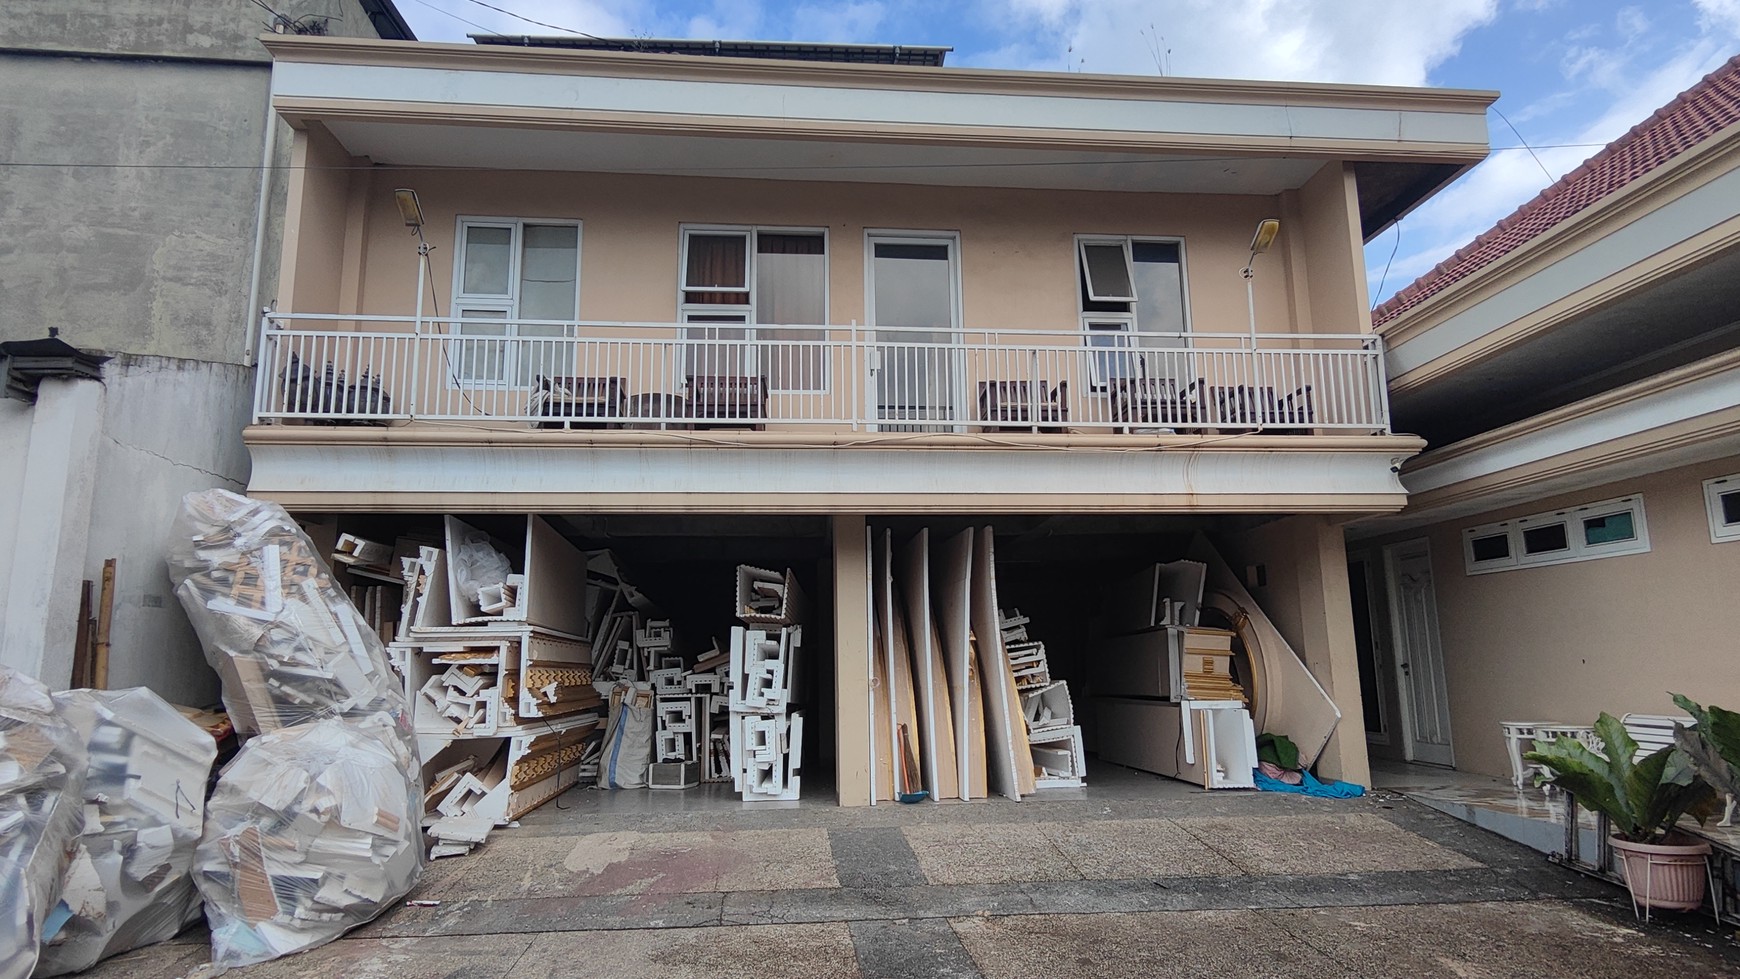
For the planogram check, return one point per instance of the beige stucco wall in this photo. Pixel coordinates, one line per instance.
(1017, 264)
(1565, 642)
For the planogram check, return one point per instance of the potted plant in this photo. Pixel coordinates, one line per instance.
(1643, 799)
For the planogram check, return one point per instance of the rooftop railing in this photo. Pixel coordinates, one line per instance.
(337, 369)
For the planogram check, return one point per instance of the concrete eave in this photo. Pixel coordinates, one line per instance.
(1677, 418)
(430, 468)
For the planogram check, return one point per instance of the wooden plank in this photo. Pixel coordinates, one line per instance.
(950, 594)
(105, 619)
(935, 720)
(1010, 760)
(84, 653)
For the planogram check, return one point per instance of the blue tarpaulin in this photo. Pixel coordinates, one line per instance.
(1311, 787)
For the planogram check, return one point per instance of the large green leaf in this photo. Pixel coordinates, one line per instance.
(1712, 744)
(1586, 775)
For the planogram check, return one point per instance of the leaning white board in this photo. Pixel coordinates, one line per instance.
(1010, 757)
(1290, 700)
(951, 587)
(935, 722)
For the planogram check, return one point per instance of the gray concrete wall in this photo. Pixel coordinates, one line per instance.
(137, 236)
(169, 429)
(220, 29)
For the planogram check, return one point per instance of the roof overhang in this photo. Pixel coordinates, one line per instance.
(1647, 269)
(1679, 418)
(441, 105)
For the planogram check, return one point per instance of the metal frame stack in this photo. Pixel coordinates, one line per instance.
(1053, 736)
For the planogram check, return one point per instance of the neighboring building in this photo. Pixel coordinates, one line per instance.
(1572, 535)
(140, 213)
(780, 301)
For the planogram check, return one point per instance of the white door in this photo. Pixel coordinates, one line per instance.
(914, 309)
(1419, 655)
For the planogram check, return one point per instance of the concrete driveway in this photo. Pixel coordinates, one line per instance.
(1139, 877)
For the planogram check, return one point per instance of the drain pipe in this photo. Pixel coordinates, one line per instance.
(251, 328)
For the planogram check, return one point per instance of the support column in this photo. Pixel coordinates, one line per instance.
(852, 746)
(1303, 562)
(1329, 648)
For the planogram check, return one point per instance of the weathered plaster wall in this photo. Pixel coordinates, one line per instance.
(215, 29)
(139, 238)
(169, 429)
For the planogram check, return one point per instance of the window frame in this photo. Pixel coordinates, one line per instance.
(461, 301)
(1715, 488)
(1083, 290)
(752, 234)
(1083, 243)
(1576, 536)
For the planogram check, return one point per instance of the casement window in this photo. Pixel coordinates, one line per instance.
(755, 300)
(1132, 304)
(508, 270)
(1722, 500)
(1607, 528)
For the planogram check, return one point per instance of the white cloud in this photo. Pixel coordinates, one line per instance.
(1719, 16)
(1372, 41)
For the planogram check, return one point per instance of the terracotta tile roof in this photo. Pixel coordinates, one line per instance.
(1696, 114)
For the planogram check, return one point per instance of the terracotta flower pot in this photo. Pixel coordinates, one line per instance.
(1670, 874)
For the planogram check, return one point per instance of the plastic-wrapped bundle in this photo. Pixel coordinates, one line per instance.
(128, 884)
(42, 770)
(312, 831)
(287, 642)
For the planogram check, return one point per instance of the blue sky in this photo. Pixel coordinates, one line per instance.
(1574, 74)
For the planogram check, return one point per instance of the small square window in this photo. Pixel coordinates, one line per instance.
(1545, 540)
(1494, 547)
(1609, 528)
(1722, 499)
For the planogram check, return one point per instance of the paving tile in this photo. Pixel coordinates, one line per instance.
(911, 947)
(1478, 941)
(1321, 844)
(165, 961)
(874, 856)
(472, 957)
(765, 952)
(1138, 946)
(987, 853)
(1122, 849)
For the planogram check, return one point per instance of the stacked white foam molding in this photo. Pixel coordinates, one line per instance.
(766, 730)
(1059, 760)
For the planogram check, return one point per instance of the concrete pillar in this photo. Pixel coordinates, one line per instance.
(851, 661)
(40, 605)
(1303, 563)
(1328, 647)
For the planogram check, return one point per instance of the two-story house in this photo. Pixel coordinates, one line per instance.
(1568, 544)
(745, 305)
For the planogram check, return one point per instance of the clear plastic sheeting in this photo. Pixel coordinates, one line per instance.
(42, 773)
(285, 639)
(478, 565)
(144, 806)
(312, 831)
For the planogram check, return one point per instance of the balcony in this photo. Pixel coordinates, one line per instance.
(386, 370)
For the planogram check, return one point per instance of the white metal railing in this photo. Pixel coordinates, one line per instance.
(357, 369)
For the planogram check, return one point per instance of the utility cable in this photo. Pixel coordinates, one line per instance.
(1386, 276)
(554, 27)
(1526, 146)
